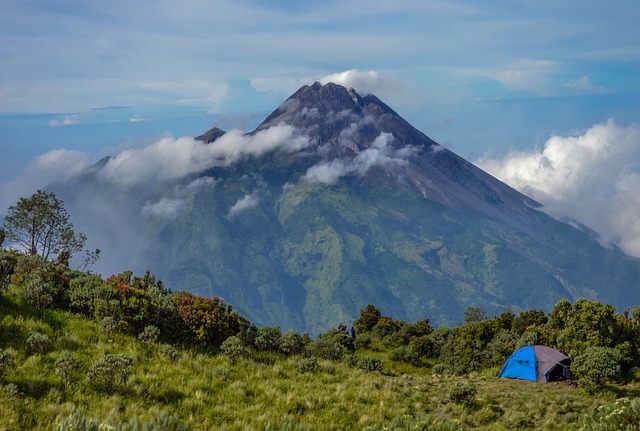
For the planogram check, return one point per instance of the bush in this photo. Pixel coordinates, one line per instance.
(37, 292)
(368, 318)
(369, 363)
(233, 348)
(463, 394)
(624, 414)
(268, 339)
(326, 349)
(291, 343)
(362, 342)
(308, 365)
(110, 373)
(85, 290)
(405, 354)
(108, 326)
(66, 366)
(6, 363)
(39, 343)
(150, 334)
(596, 366)
(169, 352)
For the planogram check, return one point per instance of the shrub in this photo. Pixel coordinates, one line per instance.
(291, 343)
(233, 348)
(37, 292)
(326, 349)
(463, 394)
(368, 318)
(39, 343)
(169, 352)
(11, 390)
(441, 369)
(267, 339)
(369, 363)
(66, 366)
(384, 327)
(405, 354)
(6, 363)
(624, 414)
(110, 373)
(308, 365)
(362, 342)
(85, 290)
(108, 326)
(596, 366)
(150, 334)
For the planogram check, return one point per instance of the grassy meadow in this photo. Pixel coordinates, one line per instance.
(207, 390)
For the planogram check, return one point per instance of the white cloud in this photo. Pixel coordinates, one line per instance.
(164, 208)
(242, 204)
(379, 153)
(50, 166)
(591, 177)
(68, 120)
(584, 85)
(371, 82)
(137, 118)
(175, 158)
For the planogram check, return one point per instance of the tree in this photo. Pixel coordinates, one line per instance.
(40, 225)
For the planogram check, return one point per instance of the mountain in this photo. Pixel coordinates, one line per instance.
(334, 202)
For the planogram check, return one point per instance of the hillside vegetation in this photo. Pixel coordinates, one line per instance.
(81, 352)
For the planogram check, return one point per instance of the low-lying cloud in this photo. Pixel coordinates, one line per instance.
(593, 177)
(379, 154)
(174, 158)
(48, 167)
(372, 82)
(244, 203)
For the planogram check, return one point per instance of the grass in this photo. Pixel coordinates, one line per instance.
(261, 391)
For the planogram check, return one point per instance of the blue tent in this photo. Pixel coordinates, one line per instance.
(537, 363)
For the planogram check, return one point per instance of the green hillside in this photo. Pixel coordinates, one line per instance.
(83, 353)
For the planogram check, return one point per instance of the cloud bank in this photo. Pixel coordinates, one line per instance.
(593, 177)
(175, 158)
(379, 154)
(372, 82)
(50, 166)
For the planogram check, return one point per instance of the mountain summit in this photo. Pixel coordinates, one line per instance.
(335, 202)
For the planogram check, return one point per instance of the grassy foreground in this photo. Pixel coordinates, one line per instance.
(261, 391)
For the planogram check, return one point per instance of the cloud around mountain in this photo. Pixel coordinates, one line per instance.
(592, 177)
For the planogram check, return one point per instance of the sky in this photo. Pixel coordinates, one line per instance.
(542, 94)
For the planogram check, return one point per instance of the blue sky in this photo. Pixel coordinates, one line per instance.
(495, 81)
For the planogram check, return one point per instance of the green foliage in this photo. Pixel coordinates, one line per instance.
(474, 315)
(362, 342)
(150, 334)
(326, 349)
(108, 326)
(267, 339)
(110, 373)
(169, 352)
(405, 354)
(66, 366)
(624, 414)
(76, 421)
(40, 225)
(527, 319)
(463, 394)
(206, 320)
(8, 263)
(596, 366)
(369, 363)
(85, 290)
(291, 343)
(584, 324)
(308, 365)
(37, 291)
(137, 309)
(233, 348)
(38, 343)
(369, 316)
(6, 363)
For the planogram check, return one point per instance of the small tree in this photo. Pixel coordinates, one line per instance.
(110, 373)
(39, 343)
(596, 366)
(233, 348)
(474, 315)
(6, 363)
(40, 225)
(66, 366)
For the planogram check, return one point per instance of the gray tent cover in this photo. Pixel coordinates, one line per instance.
(537, 363)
